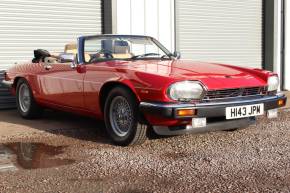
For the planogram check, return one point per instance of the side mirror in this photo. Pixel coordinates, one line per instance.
(79, 67)
(177, 54)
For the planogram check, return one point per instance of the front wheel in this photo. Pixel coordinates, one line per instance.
(121, 118)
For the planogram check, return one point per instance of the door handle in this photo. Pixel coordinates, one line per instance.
(48, 67)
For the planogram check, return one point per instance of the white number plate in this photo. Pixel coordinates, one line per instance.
(244, 111)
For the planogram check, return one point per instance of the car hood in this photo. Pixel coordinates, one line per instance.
(214, 76)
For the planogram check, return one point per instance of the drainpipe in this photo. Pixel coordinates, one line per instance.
(283, 39)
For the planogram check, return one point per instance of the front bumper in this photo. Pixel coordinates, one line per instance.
(210, 127)
(210, 109)
(214, 111)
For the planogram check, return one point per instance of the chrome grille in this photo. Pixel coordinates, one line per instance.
(235, 92)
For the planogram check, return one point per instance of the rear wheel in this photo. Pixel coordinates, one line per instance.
(26, 105)
(121, 118)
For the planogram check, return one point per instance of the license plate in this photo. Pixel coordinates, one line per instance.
(244, 111)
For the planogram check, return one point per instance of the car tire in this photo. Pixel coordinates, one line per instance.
(26, 104)
(121, 116)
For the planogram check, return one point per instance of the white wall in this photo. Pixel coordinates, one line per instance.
(147, 17)
(287, 49)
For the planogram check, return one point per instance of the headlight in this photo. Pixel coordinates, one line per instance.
(273, 83)
(186, 90)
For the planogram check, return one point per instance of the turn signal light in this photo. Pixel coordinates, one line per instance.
(281, 102)
(185, 112)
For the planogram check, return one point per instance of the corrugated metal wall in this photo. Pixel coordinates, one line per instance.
(49, 24)
(225, 31)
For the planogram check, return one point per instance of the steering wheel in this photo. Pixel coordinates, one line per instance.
(96, 57)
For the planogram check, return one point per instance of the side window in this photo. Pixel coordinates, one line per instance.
(106, 49)
(140, 47)
(92, 49)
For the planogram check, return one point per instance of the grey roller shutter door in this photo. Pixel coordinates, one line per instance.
(223, 31)
(6, 100)
(26, 25)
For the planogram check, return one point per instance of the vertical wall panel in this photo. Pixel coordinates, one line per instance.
(147, 17)
(123, 16)
(137, 17)
(166, 29)
(151, 18)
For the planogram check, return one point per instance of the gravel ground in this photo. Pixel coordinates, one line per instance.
(256, 159)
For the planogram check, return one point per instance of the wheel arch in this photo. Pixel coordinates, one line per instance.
(108, 86)
(28, 79)
(15, 82)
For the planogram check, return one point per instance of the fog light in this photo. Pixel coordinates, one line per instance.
(271, 114)
(198, 122)
(281, 102)
(185, 112)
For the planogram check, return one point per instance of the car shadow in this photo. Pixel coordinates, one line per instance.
(60, 123)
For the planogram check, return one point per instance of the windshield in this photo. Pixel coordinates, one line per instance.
(123, 48)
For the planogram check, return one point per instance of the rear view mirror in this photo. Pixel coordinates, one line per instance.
(177, 55)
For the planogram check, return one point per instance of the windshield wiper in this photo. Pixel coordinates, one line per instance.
(169, 56)
(144, 55)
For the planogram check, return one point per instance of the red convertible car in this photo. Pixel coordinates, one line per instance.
(135, 84)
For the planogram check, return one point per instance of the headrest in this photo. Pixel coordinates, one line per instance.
(121, 43)
(121, 47)
(70, 48)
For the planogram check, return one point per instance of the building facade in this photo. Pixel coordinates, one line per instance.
(251, 33)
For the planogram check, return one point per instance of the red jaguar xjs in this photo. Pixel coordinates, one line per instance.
(135, 84)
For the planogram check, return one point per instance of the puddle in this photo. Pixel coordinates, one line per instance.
(15, 156)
